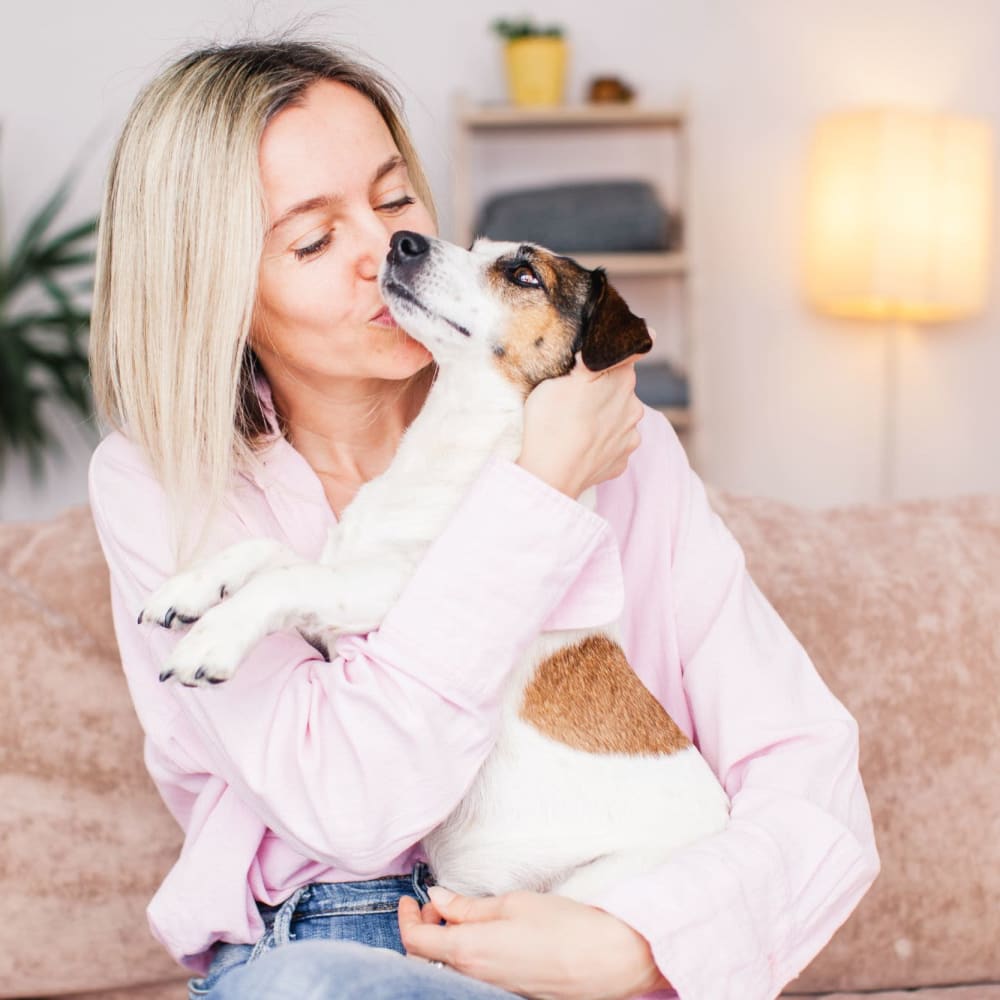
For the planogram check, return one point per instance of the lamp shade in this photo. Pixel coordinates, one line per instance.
(899, 216)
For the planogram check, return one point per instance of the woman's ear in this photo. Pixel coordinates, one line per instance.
(609, 331)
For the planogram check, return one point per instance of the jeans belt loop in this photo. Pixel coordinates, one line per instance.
(422, 878)
(281, 930)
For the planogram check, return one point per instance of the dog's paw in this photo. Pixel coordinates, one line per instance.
(183, 599)
(209, 654)
(186, 597)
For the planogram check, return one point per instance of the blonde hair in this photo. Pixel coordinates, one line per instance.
(180, 240)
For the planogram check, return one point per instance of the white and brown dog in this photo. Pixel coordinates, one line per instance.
(590, 779)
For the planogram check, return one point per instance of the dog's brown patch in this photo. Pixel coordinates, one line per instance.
(538, 345)
(544, 321)
(589, 698)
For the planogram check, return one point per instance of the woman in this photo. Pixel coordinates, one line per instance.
(256, 381)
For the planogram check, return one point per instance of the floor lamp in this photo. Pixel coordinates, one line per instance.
(898, 224)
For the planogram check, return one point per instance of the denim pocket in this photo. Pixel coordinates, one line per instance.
(364, 912)
(225, 957)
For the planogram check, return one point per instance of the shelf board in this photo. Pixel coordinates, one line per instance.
(624, 264)
(500, 116)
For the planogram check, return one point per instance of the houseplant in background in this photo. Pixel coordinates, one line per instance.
(45, 284)
(536, 59)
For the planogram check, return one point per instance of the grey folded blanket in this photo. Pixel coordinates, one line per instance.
(593, 217)
(658, 383)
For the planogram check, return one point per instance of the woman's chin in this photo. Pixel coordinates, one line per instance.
(411, 354)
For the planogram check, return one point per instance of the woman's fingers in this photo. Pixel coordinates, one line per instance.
(458, 909)
(577, 429)
(428, 940)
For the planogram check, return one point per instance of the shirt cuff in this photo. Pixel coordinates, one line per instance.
(694, 914)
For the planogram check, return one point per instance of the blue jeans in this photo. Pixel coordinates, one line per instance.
(346, 945)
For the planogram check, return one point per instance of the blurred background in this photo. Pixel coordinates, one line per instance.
(780, 397)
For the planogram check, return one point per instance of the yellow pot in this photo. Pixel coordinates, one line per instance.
(536, 70)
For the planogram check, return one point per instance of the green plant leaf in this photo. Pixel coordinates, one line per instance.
(83, 231)
(34, 230)
(40, 320)
(43, 357)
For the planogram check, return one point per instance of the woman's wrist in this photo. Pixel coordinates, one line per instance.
(643, 973)
(558, 478)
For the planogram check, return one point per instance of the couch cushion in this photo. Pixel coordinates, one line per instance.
(84, 838)
(900, 609)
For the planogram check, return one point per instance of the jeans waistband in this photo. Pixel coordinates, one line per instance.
(330, 899)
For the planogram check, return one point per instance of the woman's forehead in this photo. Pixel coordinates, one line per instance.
(332, 142)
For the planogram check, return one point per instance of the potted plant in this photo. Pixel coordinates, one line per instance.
(45, 285)
(536, 62)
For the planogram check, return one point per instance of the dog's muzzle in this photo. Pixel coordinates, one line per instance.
(408, 253)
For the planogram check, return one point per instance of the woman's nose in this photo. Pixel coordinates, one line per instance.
(373, 243)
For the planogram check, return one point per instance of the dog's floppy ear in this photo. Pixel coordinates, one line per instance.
(609, 331)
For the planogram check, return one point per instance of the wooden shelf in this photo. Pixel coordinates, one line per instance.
(625, 264)
(499, 116)
(489, 125)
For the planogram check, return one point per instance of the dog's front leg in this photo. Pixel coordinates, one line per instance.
(311, 598)
(186, 596)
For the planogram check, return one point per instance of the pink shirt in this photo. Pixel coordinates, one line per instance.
(300, 770)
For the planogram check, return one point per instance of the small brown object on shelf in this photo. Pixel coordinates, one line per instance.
(609, 90)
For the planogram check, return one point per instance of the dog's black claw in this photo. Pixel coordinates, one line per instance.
(189, 684)
(223, 593)
(217, 680)
(199, 673)
(169, 617)
(185, 619)
(165, 675)
(138, 620)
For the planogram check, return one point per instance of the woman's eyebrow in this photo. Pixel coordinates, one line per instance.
(327, 200)
(387, 168)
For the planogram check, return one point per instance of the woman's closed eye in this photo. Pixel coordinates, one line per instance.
(398, 204)
(393, 207)
(301, 253)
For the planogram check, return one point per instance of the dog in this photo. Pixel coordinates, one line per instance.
(590, 780)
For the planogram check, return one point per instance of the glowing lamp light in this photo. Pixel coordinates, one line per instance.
(899, 216)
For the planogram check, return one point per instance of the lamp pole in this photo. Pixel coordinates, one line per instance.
(890, 407)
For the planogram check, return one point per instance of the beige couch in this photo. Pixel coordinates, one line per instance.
(899, 606)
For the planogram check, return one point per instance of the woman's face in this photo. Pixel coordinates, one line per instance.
(336, 189)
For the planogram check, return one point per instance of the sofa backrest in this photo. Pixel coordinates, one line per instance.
(899, 607)
(84, 837)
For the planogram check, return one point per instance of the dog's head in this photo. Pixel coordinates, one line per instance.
(527, 308)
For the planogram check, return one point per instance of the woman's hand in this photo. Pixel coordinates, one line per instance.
(581, 428)
(541, 946)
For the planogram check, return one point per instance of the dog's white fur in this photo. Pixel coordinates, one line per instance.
(540, 814)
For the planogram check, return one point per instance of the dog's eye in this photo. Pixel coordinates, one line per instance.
(523, 275)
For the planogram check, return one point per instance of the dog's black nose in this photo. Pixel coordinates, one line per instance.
(407, 247)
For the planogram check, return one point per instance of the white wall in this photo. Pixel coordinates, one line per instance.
(791, 403)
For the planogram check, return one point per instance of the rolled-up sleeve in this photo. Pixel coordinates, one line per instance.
(738, 915)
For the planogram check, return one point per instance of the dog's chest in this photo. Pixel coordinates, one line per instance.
(396, 516)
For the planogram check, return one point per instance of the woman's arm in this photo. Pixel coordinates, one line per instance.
(740, 914)
(353, 761)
